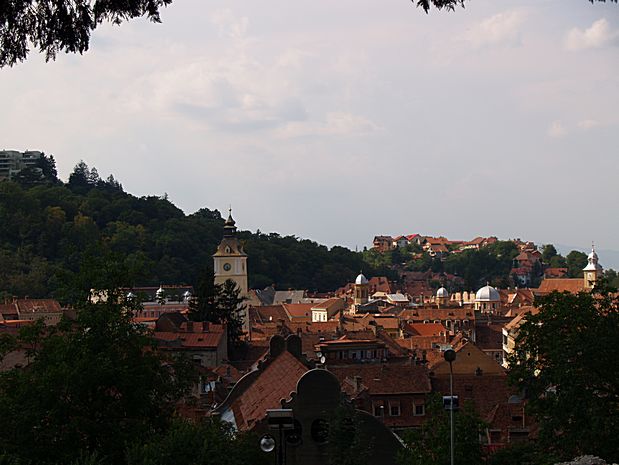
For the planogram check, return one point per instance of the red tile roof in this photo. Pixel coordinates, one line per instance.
(426, 329)
(276, 382)
(298, 311)
(572, 285)
(191, 340)
(387, 378)
(38, 306)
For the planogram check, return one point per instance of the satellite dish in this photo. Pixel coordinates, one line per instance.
(267, 443)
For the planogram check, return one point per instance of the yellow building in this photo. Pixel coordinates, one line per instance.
(230, 262)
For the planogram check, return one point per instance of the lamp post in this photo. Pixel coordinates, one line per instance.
(450, 356)
(280, 420)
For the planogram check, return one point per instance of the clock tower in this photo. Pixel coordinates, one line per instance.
(230, 261)
(593, 270)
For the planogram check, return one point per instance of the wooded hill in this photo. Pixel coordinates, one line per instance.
(48, 227)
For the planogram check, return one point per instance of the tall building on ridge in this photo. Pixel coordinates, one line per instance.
(12, 162)
(230, 262)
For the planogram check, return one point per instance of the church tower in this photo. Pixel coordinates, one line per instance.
(361, 292)
(230, 261)
(593, 270)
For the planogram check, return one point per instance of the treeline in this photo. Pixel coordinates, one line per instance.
(475, 267)
(48, 226)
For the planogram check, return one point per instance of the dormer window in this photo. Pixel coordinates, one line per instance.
(228, 250)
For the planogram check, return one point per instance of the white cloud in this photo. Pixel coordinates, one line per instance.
(335, 124)
(229, 24)
(588, 124)
(500, 29)
(598, 35)
(557, 130)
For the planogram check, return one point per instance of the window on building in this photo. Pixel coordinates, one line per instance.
(419, 410)
(394, 409)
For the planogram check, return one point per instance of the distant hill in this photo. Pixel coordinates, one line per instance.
(47, 227)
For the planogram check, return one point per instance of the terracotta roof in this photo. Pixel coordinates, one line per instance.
(517, 321)
(379, 284)
(276, 382)
(489, 337)
(572, 285)
(431, 314)
(326, 304)
(555, 272)
(191, 340)
(38, 306)
(8, 309)
(298, 311)
(420, 342)
(425, 329)
(192, 336)
(485, 391)
(387, 378)
(270, 313)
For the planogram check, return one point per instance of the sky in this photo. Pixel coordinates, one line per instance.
(338, 121)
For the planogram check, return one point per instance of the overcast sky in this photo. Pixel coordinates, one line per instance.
(340, 120)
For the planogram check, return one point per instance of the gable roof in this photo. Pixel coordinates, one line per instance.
(387, 378)
(572, 285)
(298, 311)
(277, 380)
(426, 329)
(38, 306)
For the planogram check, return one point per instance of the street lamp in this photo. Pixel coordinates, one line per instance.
(450, 357)
(280, 419)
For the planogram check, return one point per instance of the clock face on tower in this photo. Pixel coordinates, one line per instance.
(227, 267)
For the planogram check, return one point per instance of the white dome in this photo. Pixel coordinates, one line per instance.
(131, 296)
(159, 292)
(593, 255)
(361, 279)
(487, 294)
(442, 293)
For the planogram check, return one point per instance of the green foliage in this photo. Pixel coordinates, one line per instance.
(209, 442)
(221, 304)
(548, 252)
(565, 363)
(575, 261)
(91, 386)
(529, 453)
(55, 26)
(488, 264)
(47, 229)
(558, 261)
(612, 278)
(430, 444)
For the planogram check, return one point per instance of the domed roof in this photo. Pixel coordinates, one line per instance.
(361, 279)
(160, 292)
(130, 296)
(593, 255)
(487, 294)
(592, 261)
(442, 293)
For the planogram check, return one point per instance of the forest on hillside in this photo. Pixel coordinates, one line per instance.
(49, 227)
